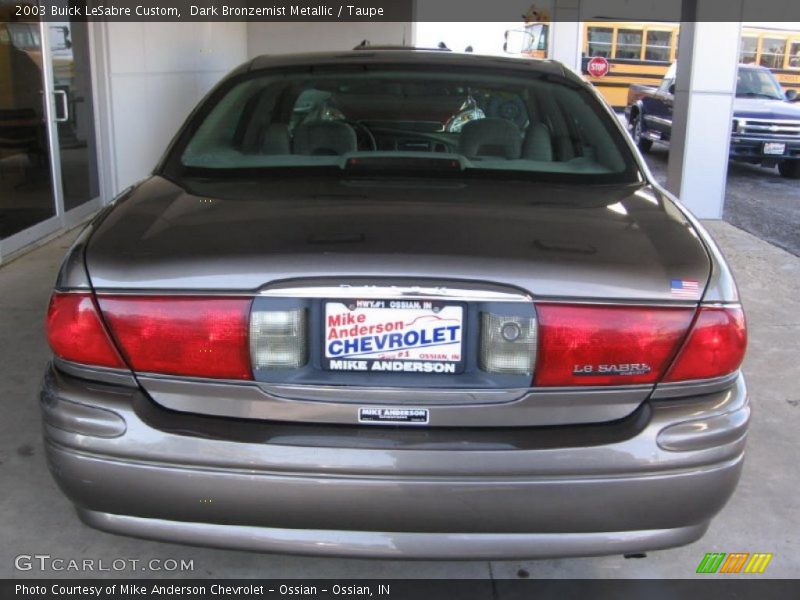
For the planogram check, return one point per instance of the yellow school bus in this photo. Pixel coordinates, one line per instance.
(776, 49)
(636, 52)
(641, 52)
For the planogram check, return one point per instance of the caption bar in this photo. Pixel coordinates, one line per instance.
(520, 11)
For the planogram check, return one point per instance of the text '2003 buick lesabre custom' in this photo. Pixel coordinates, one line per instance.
(396, 303)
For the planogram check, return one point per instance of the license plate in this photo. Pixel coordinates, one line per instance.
(394, 336)
(774, 148)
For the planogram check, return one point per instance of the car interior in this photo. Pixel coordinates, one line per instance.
(531, 125)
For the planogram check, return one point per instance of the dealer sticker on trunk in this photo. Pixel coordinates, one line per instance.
(393, 416)
(394, 336)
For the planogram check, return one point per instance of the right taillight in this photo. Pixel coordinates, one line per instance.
(715, 346)
(606, 344)
(597, 345)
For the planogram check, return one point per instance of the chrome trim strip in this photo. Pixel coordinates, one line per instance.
(448, 408)
(758, 138)
(300, 292)
(173, 292)
(617, 302)
(658, 120)
(779, 122)
(104, 374)
(735, 304)
(277, 389)
(404, 396)
(695, 387)
(478, 293)
(768, 128)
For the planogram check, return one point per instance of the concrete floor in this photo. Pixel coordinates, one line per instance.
(763, 515)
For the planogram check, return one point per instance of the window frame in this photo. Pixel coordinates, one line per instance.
(669, 47)
(756, 39)
(627, 29)
(610, 44)
(789, 56)
(761, 53)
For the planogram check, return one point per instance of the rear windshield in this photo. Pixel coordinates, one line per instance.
(387, 120)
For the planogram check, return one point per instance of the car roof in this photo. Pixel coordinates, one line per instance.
(410, 56)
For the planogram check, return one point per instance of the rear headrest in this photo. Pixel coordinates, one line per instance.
(538, 145)
(329, 138)
(275, 140)
(490, 137)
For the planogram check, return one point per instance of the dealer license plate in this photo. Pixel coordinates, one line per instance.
(774, 148)
(394, 336)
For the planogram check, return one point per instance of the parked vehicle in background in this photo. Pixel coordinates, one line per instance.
(641, 52)
(393, 303)
(766, 121)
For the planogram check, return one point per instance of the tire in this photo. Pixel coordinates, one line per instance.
(636, 133)
(789, 168)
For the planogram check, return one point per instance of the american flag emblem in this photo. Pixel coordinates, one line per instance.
(684, 288)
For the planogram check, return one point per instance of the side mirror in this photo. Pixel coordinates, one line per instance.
(791, 95)
(671, 89)
(517, 41)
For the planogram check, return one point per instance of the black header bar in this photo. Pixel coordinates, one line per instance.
(708, 588)
(511, 11)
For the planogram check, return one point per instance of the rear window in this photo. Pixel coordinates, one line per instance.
(477, 123)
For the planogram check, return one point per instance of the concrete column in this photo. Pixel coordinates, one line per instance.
(565, 33)
(705, 89)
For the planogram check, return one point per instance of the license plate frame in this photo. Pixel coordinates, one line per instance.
(774, 148)
(432, 337)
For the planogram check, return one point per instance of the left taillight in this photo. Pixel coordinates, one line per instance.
(181, 335)
(76, 333)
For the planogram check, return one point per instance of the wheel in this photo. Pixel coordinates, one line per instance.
(636, 133)
(789, 168)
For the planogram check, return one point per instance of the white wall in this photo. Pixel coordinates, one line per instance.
(157, 72)
(485, 38)
(283, 38)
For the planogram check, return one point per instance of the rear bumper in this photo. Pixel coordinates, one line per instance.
(387, 545)
(136, 469)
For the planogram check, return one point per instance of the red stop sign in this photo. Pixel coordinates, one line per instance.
(597, 67)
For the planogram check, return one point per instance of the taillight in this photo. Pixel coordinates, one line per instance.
(606, 344)
(76, 333)
(182, 335)
(715, 346)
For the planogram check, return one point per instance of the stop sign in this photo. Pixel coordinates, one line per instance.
(597, 67)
